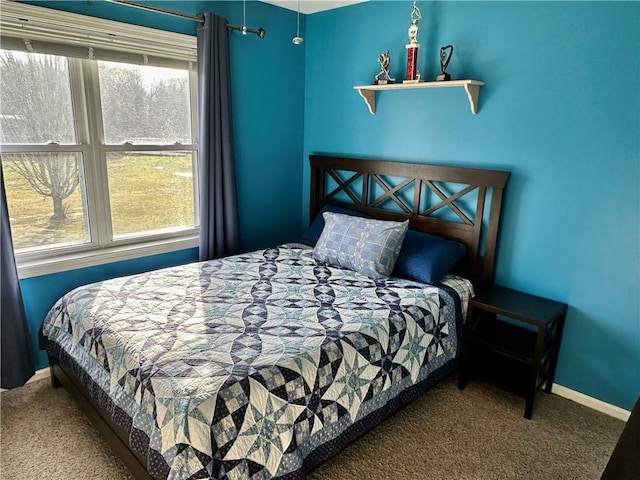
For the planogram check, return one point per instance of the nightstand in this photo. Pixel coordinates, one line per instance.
(513, 338)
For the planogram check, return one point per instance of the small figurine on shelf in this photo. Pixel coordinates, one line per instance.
(383, 77)
(445, 58)
(412, 47)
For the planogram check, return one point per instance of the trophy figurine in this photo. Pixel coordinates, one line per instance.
(383, 77)
(412, 47)
(445, 58)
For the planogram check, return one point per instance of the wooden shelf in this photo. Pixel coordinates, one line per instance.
(472, 87)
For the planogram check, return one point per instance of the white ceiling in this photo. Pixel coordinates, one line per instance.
(312, 6)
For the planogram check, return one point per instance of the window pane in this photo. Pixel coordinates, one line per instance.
(144, 105)
(150, 191)
(45, 199)
(35, 99)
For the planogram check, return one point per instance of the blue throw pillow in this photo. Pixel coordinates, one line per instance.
(426, 258)
(364, 245)
(312, 234)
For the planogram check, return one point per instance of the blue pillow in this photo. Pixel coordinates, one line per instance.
(426, 258)
(312, 234)
(364, 245)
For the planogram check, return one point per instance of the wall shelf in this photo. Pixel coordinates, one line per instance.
(472, 87)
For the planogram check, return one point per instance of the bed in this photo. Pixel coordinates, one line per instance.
(265, 364)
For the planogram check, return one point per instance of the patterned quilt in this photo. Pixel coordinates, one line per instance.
(256, 366)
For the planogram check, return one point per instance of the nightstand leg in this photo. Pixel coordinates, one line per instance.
(531, 392)
(528, 409)
(554, 355)
(464, 351)
(535, 373)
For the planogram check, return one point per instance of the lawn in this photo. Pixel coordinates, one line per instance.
(147, 192)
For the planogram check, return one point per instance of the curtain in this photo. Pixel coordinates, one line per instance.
(15, 341)
(219, 231)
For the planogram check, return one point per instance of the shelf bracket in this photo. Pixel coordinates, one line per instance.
(369, 97)
(473, 92)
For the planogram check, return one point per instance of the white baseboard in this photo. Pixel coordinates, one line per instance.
(40, 375)
(581, 398)
(594, 403)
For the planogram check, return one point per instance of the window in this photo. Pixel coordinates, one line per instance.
(98, 146)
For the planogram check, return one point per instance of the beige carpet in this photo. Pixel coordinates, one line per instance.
(478, 433)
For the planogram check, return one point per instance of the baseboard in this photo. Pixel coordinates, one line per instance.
(40, 375)
(581, 398)
(594, 403)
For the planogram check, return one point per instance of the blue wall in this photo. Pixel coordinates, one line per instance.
(560, 109)
(267, 101)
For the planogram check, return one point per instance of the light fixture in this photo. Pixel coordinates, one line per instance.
(244, 17)
(297, 40)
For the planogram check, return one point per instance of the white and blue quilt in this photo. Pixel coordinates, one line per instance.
(255, 366)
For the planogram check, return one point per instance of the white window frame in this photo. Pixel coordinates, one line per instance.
(103, 248)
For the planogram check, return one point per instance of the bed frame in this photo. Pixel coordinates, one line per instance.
(371, 187)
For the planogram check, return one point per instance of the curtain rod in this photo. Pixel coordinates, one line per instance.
(196, 18)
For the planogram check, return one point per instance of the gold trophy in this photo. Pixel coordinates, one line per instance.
(413, 76)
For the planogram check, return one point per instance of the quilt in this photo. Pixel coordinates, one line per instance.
(256, 366)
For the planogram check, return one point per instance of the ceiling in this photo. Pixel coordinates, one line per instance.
(312, 6)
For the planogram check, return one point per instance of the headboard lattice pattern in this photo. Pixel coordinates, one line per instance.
(462, 204)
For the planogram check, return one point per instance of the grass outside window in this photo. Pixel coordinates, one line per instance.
(147, 192)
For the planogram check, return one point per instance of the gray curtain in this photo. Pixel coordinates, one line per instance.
(15, 342)
(219, 235)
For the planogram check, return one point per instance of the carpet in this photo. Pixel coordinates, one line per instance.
(475, 434)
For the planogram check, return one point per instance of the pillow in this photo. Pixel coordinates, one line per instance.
(312, 234)
(426, 258)
(364, 245)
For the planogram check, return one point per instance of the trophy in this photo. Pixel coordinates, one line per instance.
(412, 47)
(383, 77)
(445, 58)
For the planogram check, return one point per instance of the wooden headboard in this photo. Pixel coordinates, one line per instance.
(461, 204)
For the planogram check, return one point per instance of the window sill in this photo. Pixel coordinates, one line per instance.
(90, 258)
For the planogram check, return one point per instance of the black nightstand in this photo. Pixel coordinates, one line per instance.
(514, 338)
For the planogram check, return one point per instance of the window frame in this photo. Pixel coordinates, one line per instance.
(102, 247)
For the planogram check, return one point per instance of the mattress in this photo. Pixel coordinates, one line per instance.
(259, 365)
